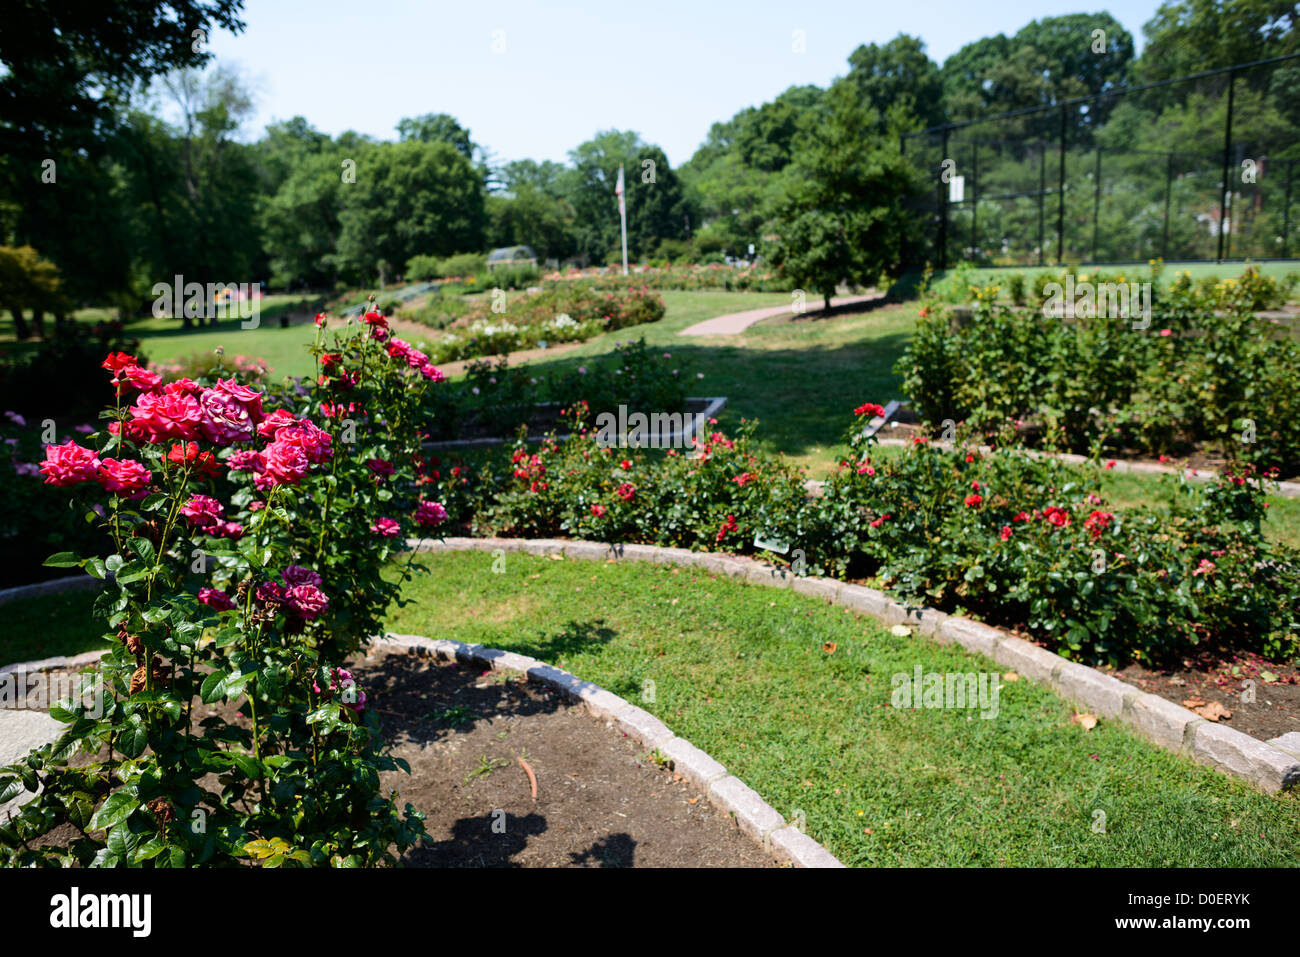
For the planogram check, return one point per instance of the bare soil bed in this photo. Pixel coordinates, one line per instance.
(601, 801)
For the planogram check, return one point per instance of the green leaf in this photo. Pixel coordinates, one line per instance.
(133, 738)
(63, 560)
(214, 687)
(143, 548)
(116, 808)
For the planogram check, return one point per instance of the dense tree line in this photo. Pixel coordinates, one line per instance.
(95, 180)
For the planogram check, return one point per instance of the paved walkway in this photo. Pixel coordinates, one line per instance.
(737, 322)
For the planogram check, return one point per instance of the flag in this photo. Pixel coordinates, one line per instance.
(618, 191)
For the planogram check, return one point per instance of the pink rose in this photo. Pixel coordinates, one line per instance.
(307, 600)
(285, 465)
(315, 444)
(123, 477)
(160, 417)
(183, 387)
(386, 528)
(274, 422)
(215, 599)
(231, 530)
(382, 468)
(246, 461)
(69, 464)
(225, 419)
(430, 513)
(203, 511)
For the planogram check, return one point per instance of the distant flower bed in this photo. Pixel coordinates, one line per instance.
(507, 322)
(682, 278)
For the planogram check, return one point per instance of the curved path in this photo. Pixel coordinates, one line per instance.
(736, 322)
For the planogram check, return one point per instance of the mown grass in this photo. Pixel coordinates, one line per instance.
(742, 672)
(748, 674)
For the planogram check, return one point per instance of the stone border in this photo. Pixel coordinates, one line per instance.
(52, 587)
(1171, 726)
(752, 814)
(714, 405)
(1122, 466)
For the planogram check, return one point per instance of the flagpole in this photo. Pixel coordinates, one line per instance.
(622, 215)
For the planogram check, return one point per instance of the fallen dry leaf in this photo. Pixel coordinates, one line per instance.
(1011, 676)
(900, 631)
(1193, 703)
(1213, 711)
(555, 558)
(692, 800)
(1085, 721)
(829, 647)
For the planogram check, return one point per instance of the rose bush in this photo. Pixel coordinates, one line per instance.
(251, 532)
(1205, 372)
(1020, 540)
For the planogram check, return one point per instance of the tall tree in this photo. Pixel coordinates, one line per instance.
(900, 82)
(842, 216)
(409, 198)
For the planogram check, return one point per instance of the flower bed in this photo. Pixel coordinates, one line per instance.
(249, 531)
(567, 313)
(1024, 541)
(1206, 372)
(682, 278)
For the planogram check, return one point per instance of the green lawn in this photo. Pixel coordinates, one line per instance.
(741, 672)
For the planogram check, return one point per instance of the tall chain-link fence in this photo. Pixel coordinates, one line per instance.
(1202, 167)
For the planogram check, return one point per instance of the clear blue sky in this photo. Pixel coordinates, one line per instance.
(667, 70)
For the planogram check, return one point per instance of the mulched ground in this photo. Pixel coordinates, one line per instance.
(600, 801)
(1227, 682)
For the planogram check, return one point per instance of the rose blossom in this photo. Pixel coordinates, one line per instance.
(246, 460)
(307, 600)
(203, 511)
(123, 477)
(159, 416)
(225, 419)
(314, 443)
(69, 464)
(381, 467)
(215, 599)
(430, 513)
(386, 528)
(274, 422)
(297, 575)
(284, 465)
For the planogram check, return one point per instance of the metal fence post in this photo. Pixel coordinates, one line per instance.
(1227, 144)
(1286, 212)
(1169, 179)
(1060, 198)
(1042, 193)
(974, 197)
(1096, 202)
(943, 206)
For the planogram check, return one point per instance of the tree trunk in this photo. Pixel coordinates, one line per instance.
(38, 321)
(20, 324)
(826, 297)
